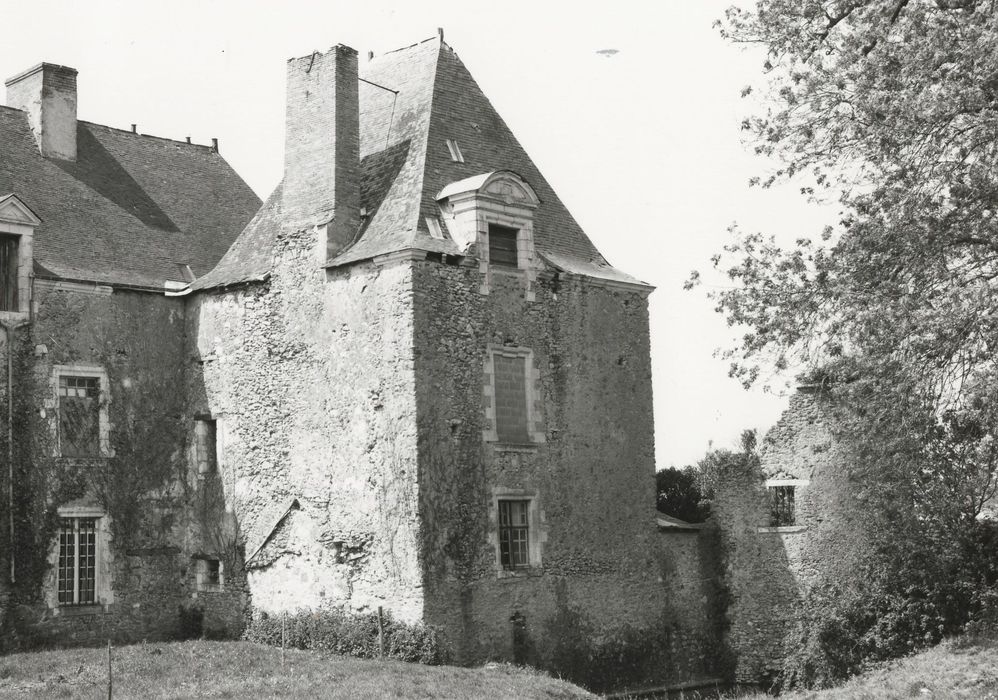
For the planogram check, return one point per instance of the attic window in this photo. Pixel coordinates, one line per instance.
(8, 272)
(433, 225)
(455, 151)
(502, 246)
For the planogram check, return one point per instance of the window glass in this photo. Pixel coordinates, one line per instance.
(8, 273)
(77, 583)
(514, 534)
(205, 434)
(502, 246)
(79, 416)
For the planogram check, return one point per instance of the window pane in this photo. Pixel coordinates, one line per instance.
(510, 383)
(502, 246)
(8, 273)
(79, 416)
(88, 560)
(514, 534)
(67, 561)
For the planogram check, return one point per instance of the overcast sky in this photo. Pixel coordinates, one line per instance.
(643, 145)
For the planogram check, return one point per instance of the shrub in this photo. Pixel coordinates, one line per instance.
(351, 635)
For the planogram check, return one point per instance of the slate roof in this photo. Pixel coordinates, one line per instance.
(405, 163)
(132, 209)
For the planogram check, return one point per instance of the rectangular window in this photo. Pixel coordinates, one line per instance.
(455, 151)
(77, 561)
(510, 387)
(79, 416)
(514, 534)
(206, 445)
(208, 574)
(781, 506)
(502, 246)
(8, 273)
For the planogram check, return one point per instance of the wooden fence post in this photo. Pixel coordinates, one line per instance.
(381, 633)
(109, 681)
(284, 635)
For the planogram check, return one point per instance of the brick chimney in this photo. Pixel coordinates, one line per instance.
(322, 147)
(47, 93)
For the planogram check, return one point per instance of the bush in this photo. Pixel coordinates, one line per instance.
(351, 635)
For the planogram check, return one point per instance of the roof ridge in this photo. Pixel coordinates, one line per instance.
(148, 136)
(410, 46)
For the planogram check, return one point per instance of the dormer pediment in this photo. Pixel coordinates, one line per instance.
(14, 211)
(503, 186)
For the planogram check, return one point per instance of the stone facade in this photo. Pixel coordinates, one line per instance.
(770, 566)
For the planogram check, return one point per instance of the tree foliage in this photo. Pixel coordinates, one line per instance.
(890, 108)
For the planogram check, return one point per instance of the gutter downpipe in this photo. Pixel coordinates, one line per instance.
(9, 329)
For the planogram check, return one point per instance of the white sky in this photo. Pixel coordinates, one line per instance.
(644, 147)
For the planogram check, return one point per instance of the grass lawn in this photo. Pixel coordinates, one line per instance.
(958, 668)
(202, 669)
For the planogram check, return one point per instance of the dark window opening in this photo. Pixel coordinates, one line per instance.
(8, 273)
(781, 506)
(502, 246)
(514, 535)
(79, 416)
(212, 572)
(77, 583)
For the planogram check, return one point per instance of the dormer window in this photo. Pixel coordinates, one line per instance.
(492, 216)
(502, 246)
(8, 272)
(17, 227)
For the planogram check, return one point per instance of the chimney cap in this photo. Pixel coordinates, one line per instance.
(49, 67)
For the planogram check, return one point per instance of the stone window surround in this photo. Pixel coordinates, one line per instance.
(536, 531)
(17, 219)
(770, 483)
(104, 594)
(531, 383)
(103, 424)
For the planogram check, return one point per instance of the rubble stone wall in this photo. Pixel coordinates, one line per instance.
(310, 378)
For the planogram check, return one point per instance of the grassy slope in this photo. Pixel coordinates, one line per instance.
(958, 668)
(244, 670)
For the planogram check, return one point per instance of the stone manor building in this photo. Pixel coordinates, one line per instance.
(408, 379)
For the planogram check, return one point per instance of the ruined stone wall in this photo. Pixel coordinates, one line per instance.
(591, 478)
(310, 379)
(141, 485)
(769, 570)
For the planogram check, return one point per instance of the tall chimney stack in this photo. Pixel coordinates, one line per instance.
(47, 93)
(322, 147)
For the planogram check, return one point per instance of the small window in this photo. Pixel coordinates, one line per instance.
(8, 272)
(209, 574)
(502, 246)
(455, 151)
(781, 506)
(206, 445)
(77, 578)
(433, 226)
(79, 416)
(514, 534)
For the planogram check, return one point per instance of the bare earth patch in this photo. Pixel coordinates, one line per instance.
(202, 669)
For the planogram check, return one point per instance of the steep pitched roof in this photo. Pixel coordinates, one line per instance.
(132, 209)
(405, 163)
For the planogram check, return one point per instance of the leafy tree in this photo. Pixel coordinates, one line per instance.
(889, 107)
(687, 493)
